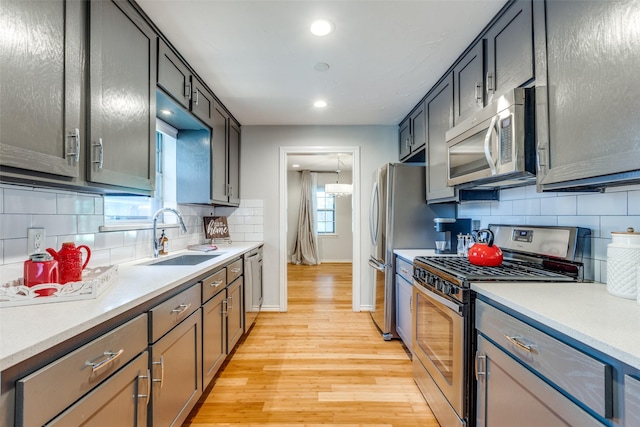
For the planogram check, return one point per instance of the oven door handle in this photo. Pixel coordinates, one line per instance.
(375, 264)
(457, 308)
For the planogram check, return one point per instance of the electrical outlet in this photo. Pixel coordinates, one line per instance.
(35, 240)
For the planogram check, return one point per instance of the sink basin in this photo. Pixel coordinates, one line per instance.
(187, 259)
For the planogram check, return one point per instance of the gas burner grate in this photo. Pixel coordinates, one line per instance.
(508, 271)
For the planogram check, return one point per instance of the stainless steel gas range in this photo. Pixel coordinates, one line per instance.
(443, 310)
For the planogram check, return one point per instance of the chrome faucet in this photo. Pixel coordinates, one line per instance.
(155, 226)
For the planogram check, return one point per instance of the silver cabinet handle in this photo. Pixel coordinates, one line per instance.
(187, 90)
(101, 153)
(111, 357)
(197, 92)
(235, 270)
(225, 306)
(404, 270)
(216, 283)
(161, 380)
(478, 93)
(477, 360)
(487, 141)
(181, 309)
(230, 304)
(517, 341)
(490, 87)
(148, 395)
(411, 304)
(76, 154)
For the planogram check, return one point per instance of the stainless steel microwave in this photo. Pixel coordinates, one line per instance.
(495, 147)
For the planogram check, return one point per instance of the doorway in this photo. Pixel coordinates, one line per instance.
(285, 152)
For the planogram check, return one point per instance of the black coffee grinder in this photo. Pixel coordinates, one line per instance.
(449, 229)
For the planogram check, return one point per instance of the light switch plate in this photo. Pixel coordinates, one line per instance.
(35, 240)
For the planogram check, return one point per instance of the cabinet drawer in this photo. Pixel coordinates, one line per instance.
(234, 270)
(404, 269)
(631, 401)
(579, 374)
(48, 391)
(168, 314)
(214, 284)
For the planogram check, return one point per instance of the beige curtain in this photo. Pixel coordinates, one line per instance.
(305, 250)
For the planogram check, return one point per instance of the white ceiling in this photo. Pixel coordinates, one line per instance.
(258, 56)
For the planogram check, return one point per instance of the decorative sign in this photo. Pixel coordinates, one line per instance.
(215, 227)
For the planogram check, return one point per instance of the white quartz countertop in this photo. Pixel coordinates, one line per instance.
(26, 331)
(410, 254)
(583, 311)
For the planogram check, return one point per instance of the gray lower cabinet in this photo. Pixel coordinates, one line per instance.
(509, 394)
(175, 357)
(119, 401)
(235, 316)
(587, 129)
(214, 325)
(108, 374)
(528, 377)
(439, 105)
(404, 297)
(41, 122)
(122, 97)
(631, 401)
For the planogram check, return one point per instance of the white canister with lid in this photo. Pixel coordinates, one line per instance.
(623, 258)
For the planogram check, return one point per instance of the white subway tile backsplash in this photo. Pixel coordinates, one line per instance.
(561, 205)
(98, 205)
(122, 254)
(590, 222)
(25, 201)
(253, 237)
(15, 250)
(473, 210)
(100, 258)
(600, 248)
(542, 220)
(516, 193)
(608, 224)
(57, 224)
(109, 240)
(502, 208)
(526, 207)
(602, 204)
(90, 223)
(1, 200)
(14, 225)
(634, 202)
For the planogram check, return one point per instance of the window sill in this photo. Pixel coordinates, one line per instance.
(330, 235)
(130, 227)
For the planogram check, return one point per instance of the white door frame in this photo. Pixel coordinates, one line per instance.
(355, 217)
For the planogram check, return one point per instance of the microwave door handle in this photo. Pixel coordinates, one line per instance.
(487, 142)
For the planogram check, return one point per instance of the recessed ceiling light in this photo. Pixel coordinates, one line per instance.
(295, 166)
(321, 66)
(166, 112)
(320, 104)
(322, 27)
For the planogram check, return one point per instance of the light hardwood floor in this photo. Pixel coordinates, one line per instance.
(318, 364)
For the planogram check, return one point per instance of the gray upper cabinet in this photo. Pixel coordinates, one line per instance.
(201, 101)
(41, 120)
(174, 77)
(509, 51)
(219, 155)
(122, 117)
(469, 83)
(439, 107)
(413, 139)
(234, 163)
(587, 131)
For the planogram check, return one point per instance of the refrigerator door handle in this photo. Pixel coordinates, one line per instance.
(374, 209)
(375, 264)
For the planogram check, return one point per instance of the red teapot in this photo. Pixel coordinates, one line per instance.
(70, 261)
(485, 254)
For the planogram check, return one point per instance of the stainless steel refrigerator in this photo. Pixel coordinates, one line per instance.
(399, 218)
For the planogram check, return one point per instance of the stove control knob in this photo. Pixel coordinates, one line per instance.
(432, 280)
(439, 284)
(446, 289)
(454, 290)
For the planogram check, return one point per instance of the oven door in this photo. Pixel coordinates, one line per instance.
(438, 343)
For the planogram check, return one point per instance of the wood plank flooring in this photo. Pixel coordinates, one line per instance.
(318, 364)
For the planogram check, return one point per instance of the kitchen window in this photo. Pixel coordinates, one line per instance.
(138, 210)
(326, 213)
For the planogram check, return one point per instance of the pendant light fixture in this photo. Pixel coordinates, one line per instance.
(338, 189)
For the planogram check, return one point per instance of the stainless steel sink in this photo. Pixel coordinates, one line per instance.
(186, 259)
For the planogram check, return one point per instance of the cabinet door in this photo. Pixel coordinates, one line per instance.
(508, 394)
(418, 128)
(631, 401)
(119, 401)
(235, 315)
(201, 101)
(122, 118)
(587, 117)
(234, 163)
(41, 57)
(404, 142)
(510, 50)
(219, 155)
(469, 83)
(173, 75)
(439, 121)
(403, 310)
(176, 372)
(214, 337)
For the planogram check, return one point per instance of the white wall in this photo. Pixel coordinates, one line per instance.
(260, 180)
(337, 247)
